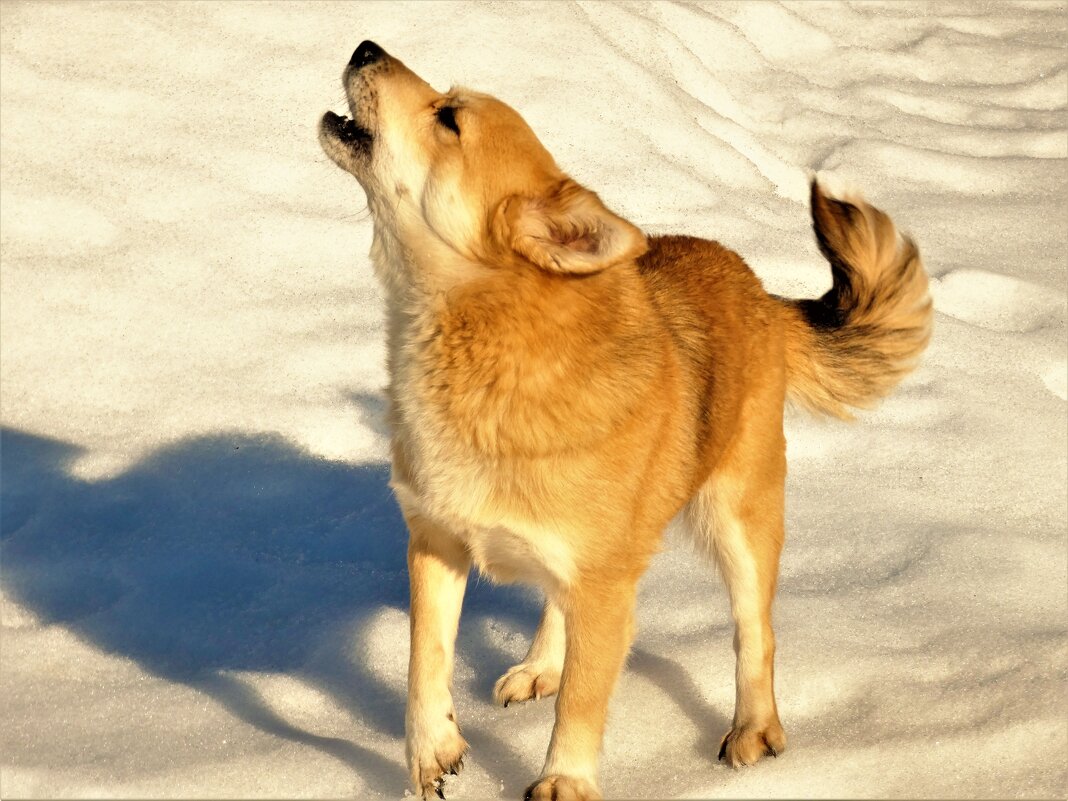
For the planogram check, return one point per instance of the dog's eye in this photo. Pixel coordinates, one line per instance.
(447, 117)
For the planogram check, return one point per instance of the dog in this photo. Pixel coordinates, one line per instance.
(562, 386)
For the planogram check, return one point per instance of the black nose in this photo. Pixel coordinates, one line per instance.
(367, 53)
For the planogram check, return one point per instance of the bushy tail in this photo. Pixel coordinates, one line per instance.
(854, 344)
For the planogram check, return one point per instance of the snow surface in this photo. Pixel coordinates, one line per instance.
(204, 587)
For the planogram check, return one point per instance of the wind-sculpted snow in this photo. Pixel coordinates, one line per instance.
(203, 575)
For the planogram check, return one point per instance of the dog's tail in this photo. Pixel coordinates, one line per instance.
(852, 346)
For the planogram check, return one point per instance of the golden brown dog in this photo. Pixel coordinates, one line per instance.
(562, 386)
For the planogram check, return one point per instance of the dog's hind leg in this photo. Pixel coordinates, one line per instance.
(538, 675)
(438, 565)
(738, 514)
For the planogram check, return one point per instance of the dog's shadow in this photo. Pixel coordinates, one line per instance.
(235, 552)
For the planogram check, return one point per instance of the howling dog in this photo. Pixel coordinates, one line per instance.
(562, 386)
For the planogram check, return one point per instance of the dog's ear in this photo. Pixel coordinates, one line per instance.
(566, 231)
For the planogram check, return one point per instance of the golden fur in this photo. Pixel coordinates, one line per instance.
(562, 387)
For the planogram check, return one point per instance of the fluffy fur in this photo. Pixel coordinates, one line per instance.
(562, 387)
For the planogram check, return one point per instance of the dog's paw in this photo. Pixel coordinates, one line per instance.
(432, 757)
(526, 681)
(746, 745)
(561, 788)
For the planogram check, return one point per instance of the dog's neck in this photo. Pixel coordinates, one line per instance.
(412, 270)
(413, 279)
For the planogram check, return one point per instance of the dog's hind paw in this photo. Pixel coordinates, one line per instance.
(526, 681)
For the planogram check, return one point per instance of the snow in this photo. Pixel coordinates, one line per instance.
(203, 575)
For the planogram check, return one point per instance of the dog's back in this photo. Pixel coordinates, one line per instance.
(846, 349)
(726, 330)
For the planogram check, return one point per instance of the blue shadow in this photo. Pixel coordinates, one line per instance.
(220, 553)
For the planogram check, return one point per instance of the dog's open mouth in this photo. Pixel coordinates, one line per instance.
(346, 129)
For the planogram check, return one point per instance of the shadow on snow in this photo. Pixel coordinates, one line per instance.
(236, 552)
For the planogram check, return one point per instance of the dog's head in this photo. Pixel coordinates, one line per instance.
(460, 175)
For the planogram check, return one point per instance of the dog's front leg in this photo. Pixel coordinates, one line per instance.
(438, 565)
(599, 625)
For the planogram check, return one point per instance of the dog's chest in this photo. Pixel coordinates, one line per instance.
(445, 476)
(503, 546)
(505, 550)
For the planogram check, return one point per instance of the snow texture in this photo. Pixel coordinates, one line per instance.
(204, 587)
